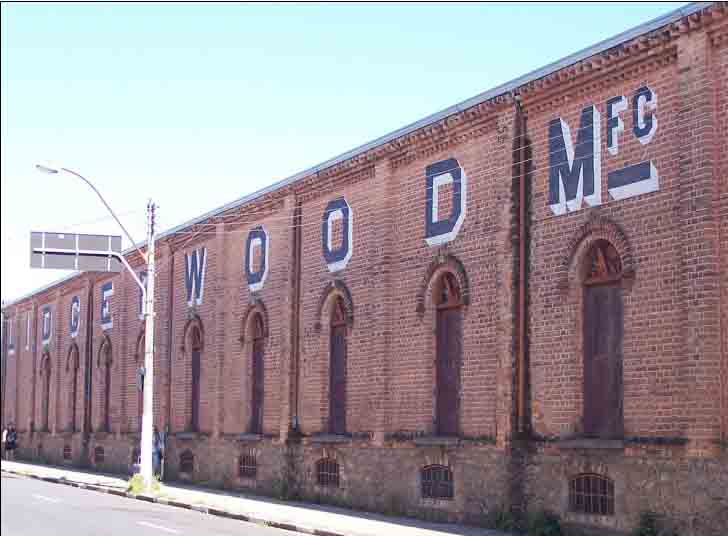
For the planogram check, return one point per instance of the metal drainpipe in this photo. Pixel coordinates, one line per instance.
(31, 424)
(296, 314)
(88, 392)
(170, 341)
(521, 163)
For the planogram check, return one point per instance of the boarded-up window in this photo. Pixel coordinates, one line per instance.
(196, 351)
(327, 472)
(106, 369)
(46, 394)
(337, 369)
(603, 327)
(591, 494)
(187, 462)
(73, 392)
(258, 369)
(449, 355)
(437, 482)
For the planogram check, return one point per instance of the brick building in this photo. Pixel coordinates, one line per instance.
(515, 303)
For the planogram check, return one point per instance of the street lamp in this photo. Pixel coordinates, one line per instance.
(146, 468)
(52, 170)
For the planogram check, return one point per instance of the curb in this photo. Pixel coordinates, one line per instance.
(179, 504)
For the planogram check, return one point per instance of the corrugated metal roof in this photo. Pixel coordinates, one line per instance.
(502, 89)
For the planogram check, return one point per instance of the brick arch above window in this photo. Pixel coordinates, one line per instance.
(578, 247)
(72, 359)
(104, 356)
(336, 288)
(193, 322)
(257, 306)
(441, 264)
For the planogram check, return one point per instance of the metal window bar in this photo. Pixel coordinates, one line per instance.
(67, 452)
(437, 482)
(591, 494)
(186, 462)
(327, 472)
(247, 465)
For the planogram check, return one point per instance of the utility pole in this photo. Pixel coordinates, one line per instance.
(4, 357)
(68, 248)
(146, 468)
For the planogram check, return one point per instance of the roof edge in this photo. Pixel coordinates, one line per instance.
(487, 95)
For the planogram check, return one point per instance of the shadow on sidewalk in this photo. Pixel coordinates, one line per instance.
(292, 509)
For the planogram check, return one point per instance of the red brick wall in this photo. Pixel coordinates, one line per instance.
(672, 242)
(239, 306)
(719, 58)
(672, 348)
(482, 248)
(652, 353)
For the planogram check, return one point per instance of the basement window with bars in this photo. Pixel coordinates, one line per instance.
(67, 452)
(186, 462)
(437, 482)
(593, 494)
(99, 455)
(247, 465)
(327, 472)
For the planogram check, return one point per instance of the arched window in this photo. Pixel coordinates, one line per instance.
(591, 493)
(337, 368)
(327, 472)
(196, 351)
(449, 354)
(105, 367)
(72, 370)
(603, 328)
(258, 369)
(437, 482)
(46, 393)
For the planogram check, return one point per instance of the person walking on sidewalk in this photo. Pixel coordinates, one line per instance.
(11, 439)
(157, 452)
(5, 436)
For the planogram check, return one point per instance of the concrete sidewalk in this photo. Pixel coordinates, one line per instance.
(297, 516)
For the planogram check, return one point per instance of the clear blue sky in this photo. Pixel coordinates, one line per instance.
(196, 105)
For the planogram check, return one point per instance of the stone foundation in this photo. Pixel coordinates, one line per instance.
(688, 492)
(686, 488)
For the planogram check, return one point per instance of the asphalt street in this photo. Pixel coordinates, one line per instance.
(33, 507)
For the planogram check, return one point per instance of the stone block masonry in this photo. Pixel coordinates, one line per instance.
(352, 335)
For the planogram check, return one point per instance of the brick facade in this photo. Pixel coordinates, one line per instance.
(263, 258)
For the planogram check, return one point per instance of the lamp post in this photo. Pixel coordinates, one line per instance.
(146, 468)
